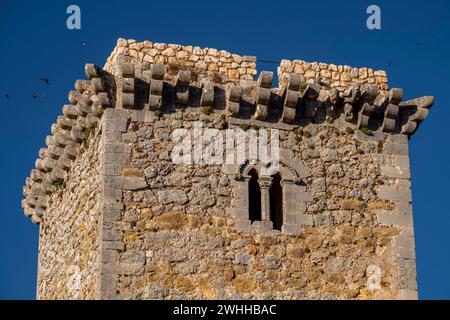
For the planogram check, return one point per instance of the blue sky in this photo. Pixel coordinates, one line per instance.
(413, 47)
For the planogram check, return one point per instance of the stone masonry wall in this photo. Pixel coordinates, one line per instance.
(339, 77)
(221, 65)
(68, 245)
(176, 234)
(224, 66)
(120, 220)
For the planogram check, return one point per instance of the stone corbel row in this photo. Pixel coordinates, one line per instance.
(263, 94)
(128, 85)
(87, 103)
(301, 100)
(207, 93)
(391, 110)
(233, 99)
(155, 98)
(189, 92)
(297, 98)
(291, 96)
(388, 107)
(368, 95)
(261, 98)
(360, 105)
(413, 112)
(364, 105)
(182, 87)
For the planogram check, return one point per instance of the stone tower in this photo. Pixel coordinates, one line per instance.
(120, 220)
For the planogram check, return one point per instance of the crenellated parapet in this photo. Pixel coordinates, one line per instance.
(297, 101)
(334, 76)
(221, 65)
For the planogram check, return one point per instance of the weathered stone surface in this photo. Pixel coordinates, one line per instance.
(70, 242)
(134, 225)
(396, 149)
(243, 258)
(299, 219)
(132, 257)
(407, 294)
(323, 220)
(352, 204)
(172, 196)
(386, 218)
(189, 219)
(291, 229)
(123, 269)
(395, 172)
(394, 194)
(134, 183)
(244, 284)
(170, 220)
(111, 235)
(113, 245)
(107, 283)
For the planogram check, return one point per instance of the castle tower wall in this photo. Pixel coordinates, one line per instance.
(184, 231)
(68, 265)
(121, 220)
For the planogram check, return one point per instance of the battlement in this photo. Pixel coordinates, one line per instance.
(224, 67)
(334, 76)
(150, 84)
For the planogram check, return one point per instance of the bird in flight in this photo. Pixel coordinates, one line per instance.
(34, 95)
(45, 81)
(83, 44)
(7, 95)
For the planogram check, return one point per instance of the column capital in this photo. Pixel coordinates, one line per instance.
(264, 185)
(265, 182)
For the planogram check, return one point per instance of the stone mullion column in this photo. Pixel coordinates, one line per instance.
(265, 225)
(264, 185)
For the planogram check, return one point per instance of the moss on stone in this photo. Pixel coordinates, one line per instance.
(366, 131)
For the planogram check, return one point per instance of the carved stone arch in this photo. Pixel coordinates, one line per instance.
(247, 167)
(286, 169)
(287, 172)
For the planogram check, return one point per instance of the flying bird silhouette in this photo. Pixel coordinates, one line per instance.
(34, 95)
(7, 96)
(45, 81)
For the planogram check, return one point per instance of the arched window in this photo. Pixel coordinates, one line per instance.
(276, 202)
(254, 197)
